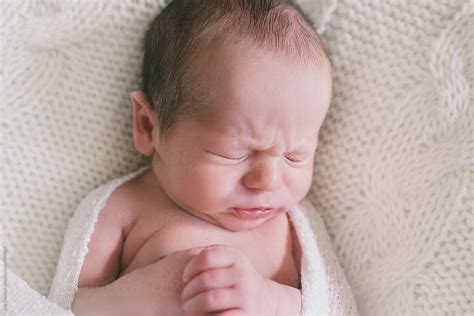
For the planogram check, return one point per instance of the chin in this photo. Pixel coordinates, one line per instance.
(233, 223)
(241, 226)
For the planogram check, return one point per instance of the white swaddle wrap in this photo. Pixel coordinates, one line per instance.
(325, 290)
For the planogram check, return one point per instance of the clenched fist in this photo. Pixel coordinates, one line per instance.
(221, 280)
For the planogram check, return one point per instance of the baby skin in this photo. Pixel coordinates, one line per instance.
(205, 229)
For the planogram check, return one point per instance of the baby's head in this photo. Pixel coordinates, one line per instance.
(234, 95)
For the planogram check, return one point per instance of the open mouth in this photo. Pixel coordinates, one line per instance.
(253, 213)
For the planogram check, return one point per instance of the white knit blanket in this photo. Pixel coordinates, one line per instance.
(324, 288)
(393, 176)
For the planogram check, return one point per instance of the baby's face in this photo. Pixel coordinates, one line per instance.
(256, 148)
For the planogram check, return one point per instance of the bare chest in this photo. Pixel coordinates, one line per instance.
(270, 248)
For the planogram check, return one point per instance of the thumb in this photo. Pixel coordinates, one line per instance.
(197, 250)
(194, 251)
(185, 254)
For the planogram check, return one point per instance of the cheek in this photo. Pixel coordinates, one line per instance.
(209, 187)
(298, 183)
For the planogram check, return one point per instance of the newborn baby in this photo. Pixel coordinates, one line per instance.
(234, 94)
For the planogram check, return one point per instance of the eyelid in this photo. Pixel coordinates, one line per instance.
(227, 157)
(291, 158)
(237, 159)
(294, 160)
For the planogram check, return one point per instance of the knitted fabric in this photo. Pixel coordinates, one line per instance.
(65, 117)
(394, 169)
(394, 173)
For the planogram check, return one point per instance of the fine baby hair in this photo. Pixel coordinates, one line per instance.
(185, 28)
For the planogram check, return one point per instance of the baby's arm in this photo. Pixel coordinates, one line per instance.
(102, 262)
(151, 290)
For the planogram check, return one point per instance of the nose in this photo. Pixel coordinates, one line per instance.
(264, 175)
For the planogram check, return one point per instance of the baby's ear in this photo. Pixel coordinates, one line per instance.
(143, 123)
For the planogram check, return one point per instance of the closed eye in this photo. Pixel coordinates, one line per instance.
(231, 158)
(228, 157)
(294, 159)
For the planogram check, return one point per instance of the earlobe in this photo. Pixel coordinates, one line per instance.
(143, 123)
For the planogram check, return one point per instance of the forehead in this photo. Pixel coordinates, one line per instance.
(256, 96)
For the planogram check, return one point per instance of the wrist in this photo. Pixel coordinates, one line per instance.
(86, 301)
(288, 300)
(292, 298)
(103, 300)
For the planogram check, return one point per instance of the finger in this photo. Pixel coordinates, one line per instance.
(229, 312)
(212, 257)
(182, 255)
(194, 251)
(209, 279)
(214, 300)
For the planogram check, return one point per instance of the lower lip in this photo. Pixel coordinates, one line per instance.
(252, 213)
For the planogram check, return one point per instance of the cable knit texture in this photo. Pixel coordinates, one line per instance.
(394, 172)
(394, 169)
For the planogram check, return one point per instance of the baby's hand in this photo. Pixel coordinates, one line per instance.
(220, 279)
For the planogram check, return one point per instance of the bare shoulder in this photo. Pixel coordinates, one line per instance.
(122, 207)
(102, 262)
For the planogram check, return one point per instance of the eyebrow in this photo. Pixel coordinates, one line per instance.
(234, 139)
(300, 149)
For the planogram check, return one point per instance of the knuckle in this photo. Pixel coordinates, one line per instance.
(208, 256)
(209, 278)
(213, 298)
(238, 272)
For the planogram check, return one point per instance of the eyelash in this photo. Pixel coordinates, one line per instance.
(246, 156)
(236, 159)
(293, 160)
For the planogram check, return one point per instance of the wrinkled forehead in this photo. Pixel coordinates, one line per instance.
(255, 99)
